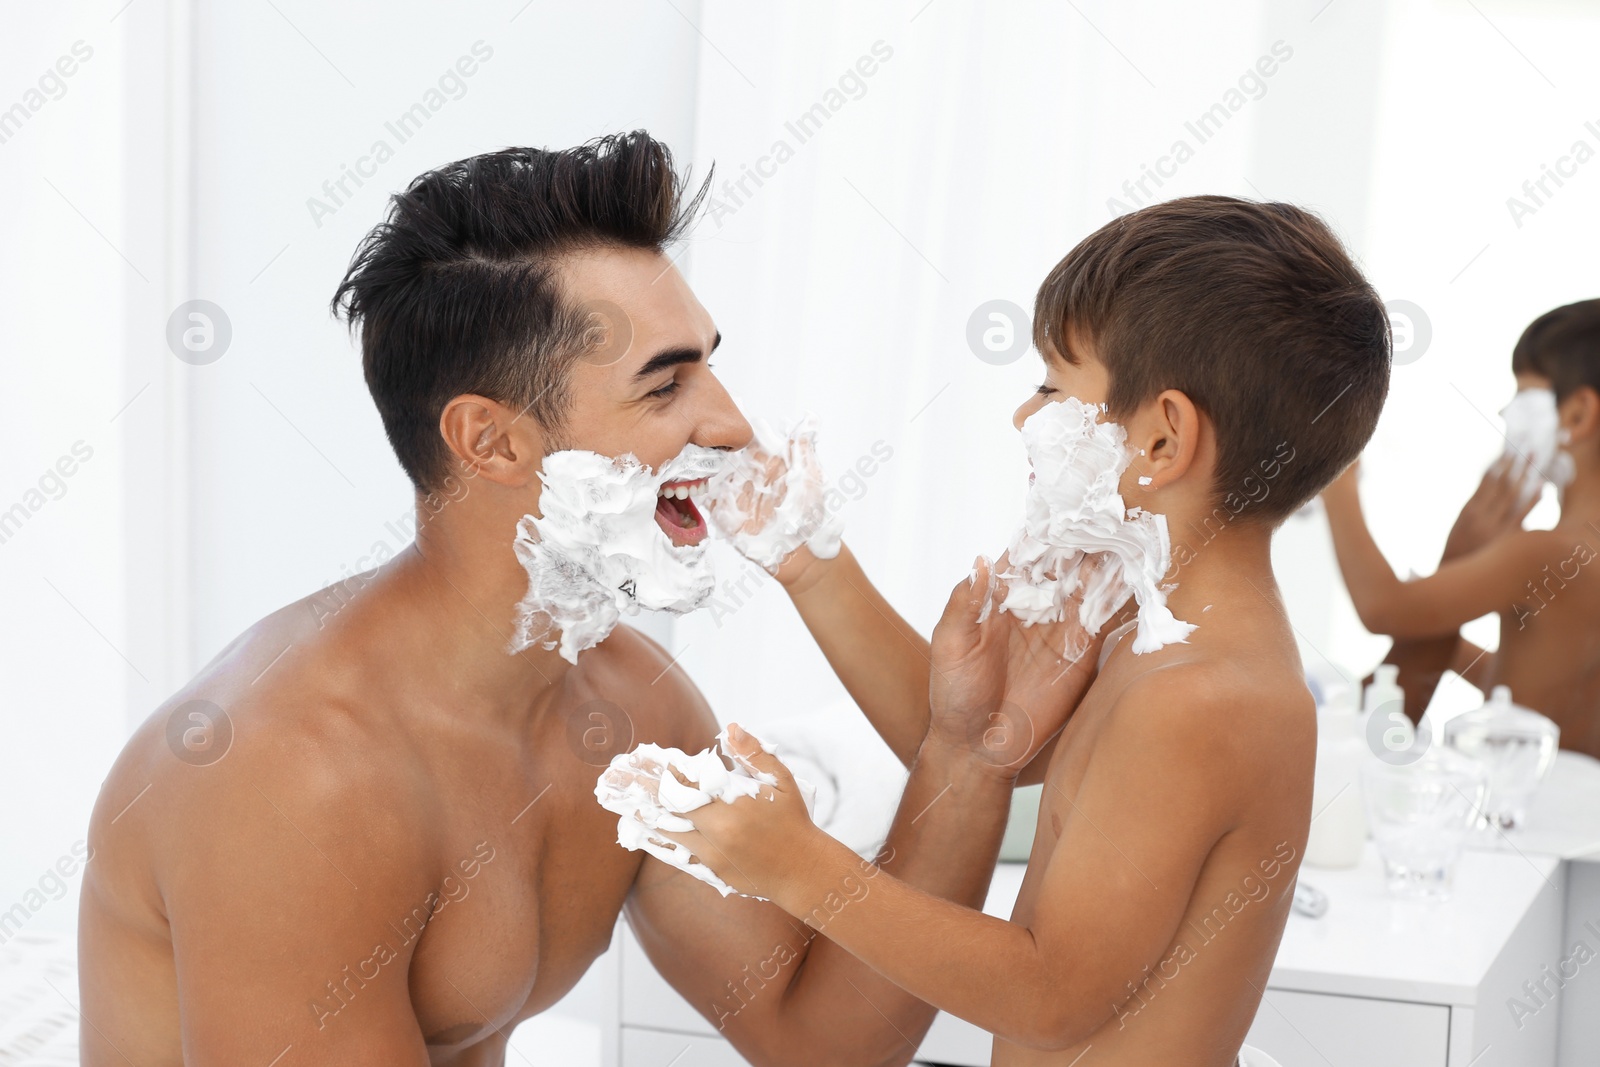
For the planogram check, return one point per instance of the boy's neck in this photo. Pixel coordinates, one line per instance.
(1235, 561)
(1581, 498)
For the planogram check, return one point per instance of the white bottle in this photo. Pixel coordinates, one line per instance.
(1384, 697)
(1339, 819)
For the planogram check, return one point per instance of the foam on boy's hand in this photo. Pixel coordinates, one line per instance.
(770, 499)
(652, 788)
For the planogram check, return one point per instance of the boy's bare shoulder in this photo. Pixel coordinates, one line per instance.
(1202, 711)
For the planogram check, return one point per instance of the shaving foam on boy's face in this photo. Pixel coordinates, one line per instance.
(1534, 436)
(612, 536)
(1079, 540)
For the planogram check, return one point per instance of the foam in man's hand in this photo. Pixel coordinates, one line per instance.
(641, 789)
(1079, 538)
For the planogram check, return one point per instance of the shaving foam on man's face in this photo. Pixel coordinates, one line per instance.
(618, 528)
(612, 536)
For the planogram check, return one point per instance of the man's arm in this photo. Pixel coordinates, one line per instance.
(1164, 786)
(783, 995)
(1491, 579)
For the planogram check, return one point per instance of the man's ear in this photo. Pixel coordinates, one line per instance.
(1580, 414)
(489, 440)
(1169, 434)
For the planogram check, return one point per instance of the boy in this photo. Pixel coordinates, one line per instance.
(1535, 580)
(1230, 339)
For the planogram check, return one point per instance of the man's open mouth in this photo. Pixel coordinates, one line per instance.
(677, 514)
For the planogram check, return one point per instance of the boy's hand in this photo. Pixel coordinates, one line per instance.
(1496, 508)
(770, 503)
(1001, 690)
(755, 844)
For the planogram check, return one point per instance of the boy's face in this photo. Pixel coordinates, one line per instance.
(1087, 380)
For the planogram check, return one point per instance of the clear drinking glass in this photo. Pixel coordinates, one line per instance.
(1516, 746)
(1420, 814)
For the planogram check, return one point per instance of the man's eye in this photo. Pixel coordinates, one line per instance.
(665, 391)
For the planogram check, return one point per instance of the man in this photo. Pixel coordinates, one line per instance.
(397, 855)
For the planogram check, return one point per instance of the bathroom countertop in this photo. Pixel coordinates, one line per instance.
(1564, 815)
(1370, 944)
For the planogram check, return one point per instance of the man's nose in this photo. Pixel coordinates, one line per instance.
(723, 425)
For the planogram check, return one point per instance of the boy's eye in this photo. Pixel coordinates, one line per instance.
(665, 391)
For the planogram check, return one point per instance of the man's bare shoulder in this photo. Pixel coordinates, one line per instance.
(635, 673)
(265, 737)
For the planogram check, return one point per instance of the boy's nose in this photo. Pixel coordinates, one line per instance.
(1020, 416)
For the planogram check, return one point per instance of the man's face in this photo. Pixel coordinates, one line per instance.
(648, 388)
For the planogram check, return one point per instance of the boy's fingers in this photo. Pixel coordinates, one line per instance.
(967, 598)
(749, 752)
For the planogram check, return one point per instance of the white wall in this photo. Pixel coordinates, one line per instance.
(62, 636)
(182, 154)
(993, 140)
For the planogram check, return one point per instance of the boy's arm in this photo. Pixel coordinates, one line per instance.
(1493, 578)
(1496, 509)
(781, 994)
(887, 667)
(1163, 788)
(883, 663)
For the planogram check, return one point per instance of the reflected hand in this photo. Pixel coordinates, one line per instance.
(1496, 508)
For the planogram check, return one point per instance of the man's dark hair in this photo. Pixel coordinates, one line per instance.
(1255, 312)
(456, 290)
(1562, 345)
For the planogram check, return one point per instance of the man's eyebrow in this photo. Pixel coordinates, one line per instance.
(671, 357)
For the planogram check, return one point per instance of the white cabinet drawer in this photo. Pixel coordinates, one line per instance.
(1316, 1030)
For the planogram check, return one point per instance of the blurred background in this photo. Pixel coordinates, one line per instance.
(885, 173)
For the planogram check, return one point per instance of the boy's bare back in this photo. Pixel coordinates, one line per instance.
(1550, 638)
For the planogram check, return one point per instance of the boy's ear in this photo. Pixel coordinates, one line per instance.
(488, 440)
(1169, 434)
(1580, 414)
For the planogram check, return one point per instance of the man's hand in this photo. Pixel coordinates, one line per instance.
(1496, 508)
(1001, 690)
(755, 844)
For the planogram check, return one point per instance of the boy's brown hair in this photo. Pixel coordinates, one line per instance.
(1562, 345)
(1256, 312)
